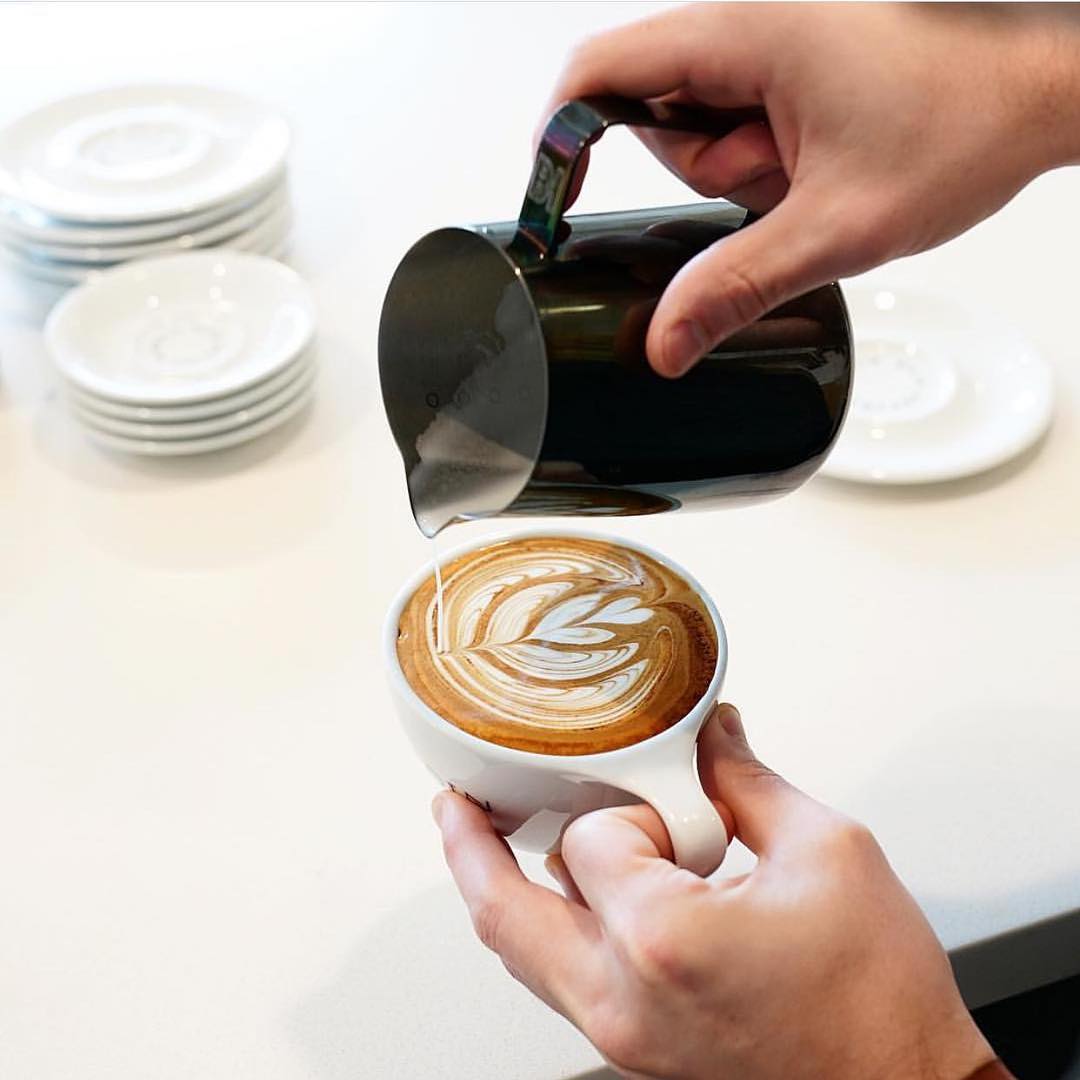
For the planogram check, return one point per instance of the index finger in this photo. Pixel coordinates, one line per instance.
(620, 859)
(545, 941)
(644, 59)
(655, 57)
(593, 67)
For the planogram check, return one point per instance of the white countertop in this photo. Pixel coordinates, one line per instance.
(217, 855)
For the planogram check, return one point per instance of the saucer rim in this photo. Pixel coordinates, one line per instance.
(210, 443)
(202, 410)
(68, 308)
(207, 426)
(265, 118)
(934, 470)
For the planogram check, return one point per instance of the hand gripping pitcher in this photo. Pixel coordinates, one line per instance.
(513, 369)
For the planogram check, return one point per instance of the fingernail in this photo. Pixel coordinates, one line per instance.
(437, 805)
(730, 721)
(684, 343)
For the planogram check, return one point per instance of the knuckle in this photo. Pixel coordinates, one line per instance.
(852, 842)
(759, 772)
(619, 1036)
(738, 299)
(657, 954)
(487, 919)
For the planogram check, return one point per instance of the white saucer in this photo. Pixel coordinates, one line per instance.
(180, 447)
(140, 153)
(198, 429)
(203, 410)
(941, 391)
(260, 238)
(67, 274)
(268, 238)
(107, 255)
(181, 328)
(30, 226)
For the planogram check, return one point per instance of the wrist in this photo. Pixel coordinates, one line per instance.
(1049, 104)
(962, 1054)
(953, 1048)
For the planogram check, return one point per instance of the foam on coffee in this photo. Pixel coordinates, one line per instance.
(559, 645)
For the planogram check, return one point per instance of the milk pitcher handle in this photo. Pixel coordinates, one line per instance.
(570, 130)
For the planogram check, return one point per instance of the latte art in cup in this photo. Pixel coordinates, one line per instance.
(559, 645)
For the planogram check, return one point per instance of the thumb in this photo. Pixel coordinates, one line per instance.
(769, 812)
(729, 285)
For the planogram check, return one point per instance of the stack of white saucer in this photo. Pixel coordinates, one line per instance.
(98, 179)
(186, 353)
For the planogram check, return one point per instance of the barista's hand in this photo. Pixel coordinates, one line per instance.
(892, 128)
(815, 964)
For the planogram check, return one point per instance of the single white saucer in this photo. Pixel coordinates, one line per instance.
(269, 237)
(201, 410)
(107, 255)
(273, 246)
(140, 153)
(263, 234)
(181, 447)
(30, 226)
(181, 328)
(198, 429)
(941, 391)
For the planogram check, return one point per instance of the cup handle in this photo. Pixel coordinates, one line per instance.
(672, 787)
(570, 130)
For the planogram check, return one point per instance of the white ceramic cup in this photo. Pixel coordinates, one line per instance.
(531, 797)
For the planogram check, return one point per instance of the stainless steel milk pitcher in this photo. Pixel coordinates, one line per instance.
(513, 369)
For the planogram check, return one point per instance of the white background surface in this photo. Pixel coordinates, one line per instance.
(217, 855)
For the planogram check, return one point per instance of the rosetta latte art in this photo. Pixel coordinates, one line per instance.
(559, 645)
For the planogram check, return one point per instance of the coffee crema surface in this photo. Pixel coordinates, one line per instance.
(559, 645)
